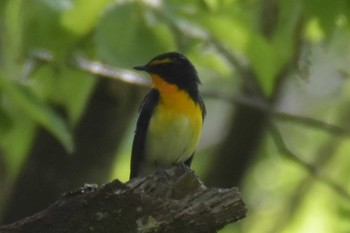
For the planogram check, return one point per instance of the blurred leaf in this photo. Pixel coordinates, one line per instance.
(327, 12)
(214, 64)
(48, 85)
(37, 110)
(231, 30)
(77, 85)
(59, 5)
(237, 35)
(12, 37)
(82, 17)
(268, 56)
(313, 30)
(42, 29)
(264, 61)
(288, 33)
(260, 53)
(17, 142)
(5, 121)
(130, 35)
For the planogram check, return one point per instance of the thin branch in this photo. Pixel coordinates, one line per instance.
(238, 61)
(264, 106)
(36, 58)
(40, 56)
(242, 66)
(311, 168)
(311, 122)
(290, 209)
(107, 71)
(291, 206)
(253, 102)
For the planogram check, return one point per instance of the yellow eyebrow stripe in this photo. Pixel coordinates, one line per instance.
(161, 61)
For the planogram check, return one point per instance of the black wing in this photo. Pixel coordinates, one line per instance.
(200, 101)
(138, 145)
(202, 106)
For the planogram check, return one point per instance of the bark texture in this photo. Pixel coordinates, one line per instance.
(170, 201)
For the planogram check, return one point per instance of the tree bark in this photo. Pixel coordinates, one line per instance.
(170, 201)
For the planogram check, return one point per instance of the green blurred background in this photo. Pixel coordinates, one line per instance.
(275, 77)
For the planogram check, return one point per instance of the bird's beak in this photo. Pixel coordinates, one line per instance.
(143, 68)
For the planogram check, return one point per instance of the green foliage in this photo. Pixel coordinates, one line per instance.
(129, 34)
(327, 12)
(38, 111)
(39, 37)
(82, 17)
(5, 122)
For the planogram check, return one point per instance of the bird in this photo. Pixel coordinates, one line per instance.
(170, 118)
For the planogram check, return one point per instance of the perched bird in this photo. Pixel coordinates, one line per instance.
(170, 118)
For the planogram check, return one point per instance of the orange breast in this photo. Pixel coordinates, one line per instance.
(176, 124)
(175, 98)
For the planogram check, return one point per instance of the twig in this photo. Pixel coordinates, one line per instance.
(312, 169)
(291, 206)
(36, 58)
(254, 102)
(241, 64)
(238, 61)
(311, 122)
(107, 71)
(257, 103)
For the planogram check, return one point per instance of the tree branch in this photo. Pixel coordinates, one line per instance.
(103, 70)
(312, 169)
(97, 68)
(170, 201)
(257, 103)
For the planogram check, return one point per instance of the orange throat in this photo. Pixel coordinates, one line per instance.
(174, 98)
(163, 86)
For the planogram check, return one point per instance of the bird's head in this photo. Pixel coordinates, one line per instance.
(174, 68)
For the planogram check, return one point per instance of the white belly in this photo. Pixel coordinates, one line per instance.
(170, 141)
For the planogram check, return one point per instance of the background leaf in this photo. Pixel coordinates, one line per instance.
(135, 44)
(38, 111)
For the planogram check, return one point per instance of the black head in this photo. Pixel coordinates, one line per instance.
(174, 68)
